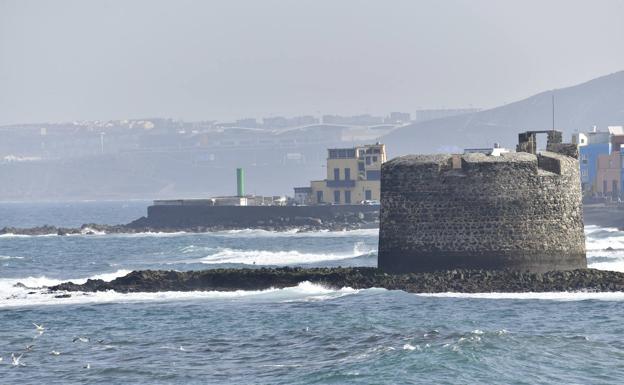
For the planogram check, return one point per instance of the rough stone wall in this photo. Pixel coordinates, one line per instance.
(518, 211)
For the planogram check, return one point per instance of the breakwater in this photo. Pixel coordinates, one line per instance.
(185, 215)
(203, 218)
(465, 281)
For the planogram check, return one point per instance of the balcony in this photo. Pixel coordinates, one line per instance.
(341, 183)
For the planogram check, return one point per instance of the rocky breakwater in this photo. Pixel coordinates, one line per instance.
(350, 221)
(465, 281)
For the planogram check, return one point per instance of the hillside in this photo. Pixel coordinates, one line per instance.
(596, 102)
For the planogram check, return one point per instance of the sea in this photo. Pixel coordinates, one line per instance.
(307, 334)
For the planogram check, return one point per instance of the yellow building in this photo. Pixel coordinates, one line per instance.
(353, 176)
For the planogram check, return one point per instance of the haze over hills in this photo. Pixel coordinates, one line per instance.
(597, 102)
(163, 158)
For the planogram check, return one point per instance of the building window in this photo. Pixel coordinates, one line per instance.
(336, 174)
(361, 167)
(374, 159)
(336, 196)
(348, 197)
(368, 195)
(342, 153)
(319, 196)
(347, 172)
(373, 175)
(368, 160)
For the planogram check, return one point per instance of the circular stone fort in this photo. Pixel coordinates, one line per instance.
(512, 210)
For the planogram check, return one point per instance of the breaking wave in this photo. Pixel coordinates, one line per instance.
(16, 296)
(253, 233)
(7, 257)
(605, 248)
(266, 257)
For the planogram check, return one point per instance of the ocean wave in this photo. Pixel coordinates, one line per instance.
(7, 257)
(297, 233)
(240, 233)
(611, 264)
(603, 238)
(266, 257)
(550, 296)
(7, 284)
(304, 292)
(11, 235)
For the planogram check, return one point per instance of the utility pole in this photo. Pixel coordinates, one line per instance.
(553, 110)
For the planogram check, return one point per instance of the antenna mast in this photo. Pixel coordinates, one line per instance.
(553, 110)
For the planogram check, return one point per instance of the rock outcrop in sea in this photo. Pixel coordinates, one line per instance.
(464, 281)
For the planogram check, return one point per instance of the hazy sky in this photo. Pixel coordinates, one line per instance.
(73, 59)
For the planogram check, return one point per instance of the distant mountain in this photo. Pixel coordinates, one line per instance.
(597, 102)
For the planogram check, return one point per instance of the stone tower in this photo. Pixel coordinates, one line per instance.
(519, 211)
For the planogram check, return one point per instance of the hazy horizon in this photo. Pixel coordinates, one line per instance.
(72, 60)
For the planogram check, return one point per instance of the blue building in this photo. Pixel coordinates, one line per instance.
(591, 146)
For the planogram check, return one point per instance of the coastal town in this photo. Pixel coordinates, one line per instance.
(311, 192)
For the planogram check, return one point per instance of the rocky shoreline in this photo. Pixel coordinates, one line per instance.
(464, 281)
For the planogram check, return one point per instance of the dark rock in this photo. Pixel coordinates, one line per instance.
(467, 281)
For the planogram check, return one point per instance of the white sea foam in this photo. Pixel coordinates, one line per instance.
(615, 265)
(551, 296)
(90, 231)
(7, 257)
(240, 233)
(11, 235)
(603, 238)
(297, 233)
(7, 284)
(19, 297)
(605, 248)
(266, 257)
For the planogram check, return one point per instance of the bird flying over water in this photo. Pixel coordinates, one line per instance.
(81, 339)
(15, 361)
(55, 353)
(39, 328)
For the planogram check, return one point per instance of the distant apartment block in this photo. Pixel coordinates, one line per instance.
(398, 118)
(601, 158)
(353, 176)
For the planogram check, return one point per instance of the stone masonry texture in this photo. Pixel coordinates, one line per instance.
(517, 211)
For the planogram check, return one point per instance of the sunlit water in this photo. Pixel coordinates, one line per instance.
(302, 335)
